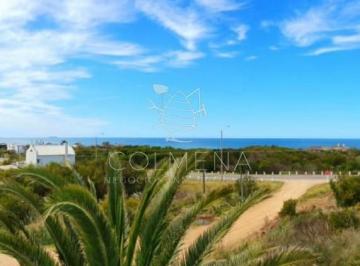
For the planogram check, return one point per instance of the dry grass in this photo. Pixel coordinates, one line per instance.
(317, 197)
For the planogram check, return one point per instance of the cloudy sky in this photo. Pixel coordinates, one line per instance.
(265, 68)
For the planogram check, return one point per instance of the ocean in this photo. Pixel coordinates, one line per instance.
(188, 143)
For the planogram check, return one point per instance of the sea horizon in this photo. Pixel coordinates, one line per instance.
(192, 143)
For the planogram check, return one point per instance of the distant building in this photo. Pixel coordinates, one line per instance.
(338, 147)
(18, 148)
(42, 155)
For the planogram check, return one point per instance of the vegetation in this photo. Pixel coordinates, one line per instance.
(316, 191)
(268, 159)
(289, 208)
(69, 216)
(343, 219)
(245, 186)
(257, 255)
(330, 232)
(8, 157)
(95, 215)
(346, 190)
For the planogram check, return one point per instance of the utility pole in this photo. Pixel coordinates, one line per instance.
(241, 184)
(221, 154)
(96, 148)
(203, 181)
(96, 145)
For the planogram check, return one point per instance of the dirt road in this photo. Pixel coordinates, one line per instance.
(7, 261)
(255, 217)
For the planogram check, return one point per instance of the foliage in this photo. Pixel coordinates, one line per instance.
(343, 219)
(256, 254)
(346, 190)
(316, 191)
(340, 249)
(289, 208)
(86, 231)
(268, 159)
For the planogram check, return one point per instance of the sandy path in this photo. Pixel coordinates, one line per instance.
(255, 217)
(7, 261)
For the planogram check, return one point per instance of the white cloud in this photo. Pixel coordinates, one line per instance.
(347, 40)
(241, 31)
(265, 24)
(308, 28)
(145, 64)
(251, 58)
(184, 22)
(220, 5)
(89, 13)
(274, 48)
(228, 54)
(334, 26)
(112, 48)
(152, 63)
(183, 58)
(33, 74)
(40, 38)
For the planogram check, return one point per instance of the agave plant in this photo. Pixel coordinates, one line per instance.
(84, 233)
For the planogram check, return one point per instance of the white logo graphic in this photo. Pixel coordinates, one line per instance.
(178, 112)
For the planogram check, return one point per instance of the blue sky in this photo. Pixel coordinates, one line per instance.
(265, 68)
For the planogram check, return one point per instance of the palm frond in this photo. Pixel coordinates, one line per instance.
(19, 191)
(245, 256)
(156, 221)
(176, 230)
(117, 211)
(276, 256)
(66, 241)
(11, 222)
(23, 250)
(135, 228)
(203, 245)
(91, 224)
(282, 256)
(42, 177)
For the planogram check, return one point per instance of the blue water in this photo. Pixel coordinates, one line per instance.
(211, 143)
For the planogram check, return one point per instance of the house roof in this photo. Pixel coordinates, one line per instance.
(52, 149)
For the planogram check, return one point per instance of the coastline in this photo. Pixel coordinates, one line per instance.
(193, 143)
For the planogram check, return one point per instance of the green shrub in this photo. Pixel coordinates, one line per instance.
(289, 208)
(346, 190)
(343, 219)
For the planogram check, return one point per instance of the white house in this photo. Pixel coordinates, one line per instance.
(18, 148)
(45, 154)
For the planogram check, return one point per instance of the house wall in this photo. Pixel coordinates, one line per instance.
(16, 148)
(33, 159)
(30, 157)
(43, 160)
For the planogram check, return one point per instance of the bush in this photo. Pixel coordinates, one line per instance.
(344, 219)
(346, 190)
(245, 186)
(289, 208)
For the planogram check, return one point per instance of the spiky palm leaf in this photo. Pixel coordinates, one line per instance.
(83, 233)
(171, 240)
(25, 251)
(203, 245)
